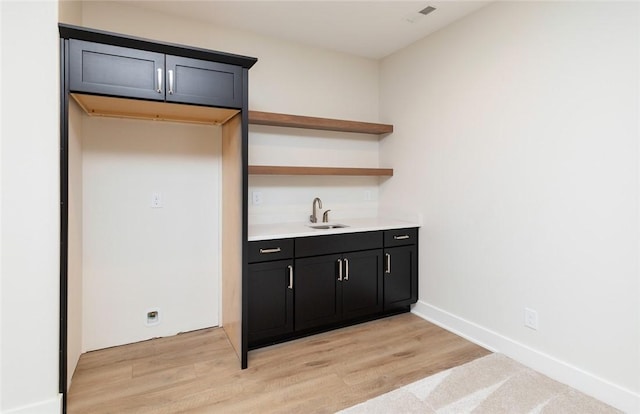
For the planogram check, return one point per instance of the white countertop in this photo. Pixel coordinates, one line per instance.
(286, 230)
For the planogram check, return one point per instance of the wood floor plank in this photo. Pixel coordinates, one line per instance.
(198, 372)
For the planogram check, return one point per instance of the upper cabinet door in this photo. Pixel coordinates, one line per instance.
(202, 82)
(117, 71)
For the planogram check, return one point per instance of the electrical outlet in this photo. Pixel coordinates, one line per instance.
(367, 195)
(156, 200)
(153, 317)
(531, 318)
(256, 197)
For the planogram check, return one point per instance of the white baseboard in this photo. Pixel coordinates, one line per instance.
(51, 406)
(603, 390)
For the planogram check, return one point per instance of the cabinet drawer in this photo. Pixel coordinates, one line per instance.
(267, 250)
(400, 237)
(337, 243)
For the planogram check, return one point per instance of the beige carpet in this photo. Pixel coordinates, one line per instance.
(493, 384)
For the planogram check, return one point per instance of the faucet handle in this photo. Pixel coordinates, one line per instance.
(325, 216)
(313, 219)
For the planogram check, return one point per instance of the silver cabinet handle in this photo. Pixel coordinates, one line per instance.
(346, 269)
(339, 270)
(388, 269)
(170, 82)
(290, 277)
(403, 237)
(159, 80)
(266, 251)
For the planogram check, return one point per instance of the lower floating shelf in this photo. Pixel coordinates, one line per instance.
(282, 170)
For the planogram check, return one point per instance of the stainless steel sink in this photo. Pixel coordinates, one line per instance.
(326, 226)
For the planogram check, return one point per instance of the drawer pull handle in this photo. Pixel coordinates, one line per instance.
(290, 277)
(339, 270)
(346, 268)
(403, 237)
(266, 251)
(388, 267)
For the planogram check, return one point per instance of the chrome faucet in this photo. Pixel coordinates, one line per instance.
(325, 216)
(313, 217)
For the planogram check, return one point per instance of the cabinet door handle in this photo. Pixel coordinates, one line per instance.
(159, 80)
(170, 91)
(388, 267)
(266, 251)
(346, 269)
(290, 277)
(339, 270)
(403, 237)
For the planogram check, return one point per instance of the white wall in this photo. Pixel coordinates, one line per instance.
(288, 78)
(138, 258)
(523, 120)
(30, 207)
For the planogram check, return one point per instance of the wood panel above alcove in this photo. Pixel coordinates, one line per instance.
(117, 107)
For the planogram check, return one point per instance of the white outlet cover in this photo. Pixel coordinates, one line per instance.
(152, 321)
(256, 197)
(156, 200)
(531, 318)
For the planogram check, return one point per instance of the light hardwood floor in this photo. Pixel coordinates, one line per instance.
(198, 372)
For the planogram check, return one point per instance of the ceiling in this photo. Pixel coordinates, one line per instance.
(371, 29)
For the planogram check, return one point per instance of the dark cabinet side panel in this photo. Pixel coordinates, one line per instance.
(203, 83)
(317, 294)
(270, 300)
(113, 70)
(362, 284)
(400, 277)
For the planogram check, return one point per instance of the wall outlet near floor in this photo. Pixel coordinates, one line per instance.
(531, 318)
(153, 317)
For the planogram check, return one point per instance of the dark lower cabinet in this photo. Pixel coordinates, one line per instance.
(270, 299)
(317, 290)
(362, 284)
(328, 281)
(400, 277)
(334, 288)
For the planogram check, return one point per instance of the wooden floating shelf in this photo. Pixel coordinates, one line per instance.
(283, 170)
(309, 122)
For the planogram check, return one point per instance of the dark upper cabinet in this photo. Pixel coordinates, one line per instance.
(113, 70)
(201, 82)
(104, 69)
(270, 300)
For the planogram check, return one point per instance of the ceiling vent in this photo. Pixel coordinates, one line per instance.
(427, 10)
(415, 17)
